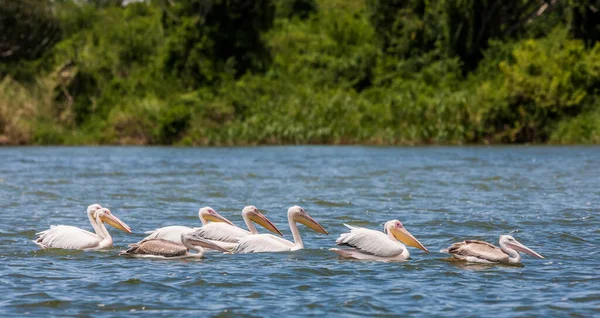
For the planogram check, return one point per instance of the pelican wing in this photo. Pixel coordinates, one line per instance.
(370, 242)
(259, 243)
(229, 246)
(157, 247)
(472, 250)
(220, 231)
(67, 237)
(169, 233)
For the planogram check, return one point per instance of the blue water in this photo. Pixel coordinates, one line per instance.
(548, 198)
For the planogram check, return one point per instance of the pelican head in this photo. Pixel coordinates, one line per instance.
(510, 242)
(106, 216)
(299, 215)
(252, 213)
(91, 210)
(209, 214)
(395, 228)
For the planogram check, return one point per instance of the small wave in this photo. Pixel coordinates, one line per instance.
(254, 295)
(131, 281)
(27, 233)
(101, 174)
(216, 194)
(44, 194)
(58, 252)
(45, 276)
(378, 173)
(586, 299)
(179, 199)
(47, 304)
(315, 271)
(523, 308)
(144, 284)
(332, 204)
(569, 237)
(196, 282)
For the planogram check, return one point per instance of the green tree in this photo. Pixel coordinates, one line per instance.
(27, 30)
(209, 39)
(585, 21)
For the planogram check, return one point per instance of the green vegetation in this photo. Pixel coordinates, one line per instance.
(228, 72)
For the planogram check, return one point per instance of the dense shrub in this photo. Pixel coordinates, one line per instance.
(223, 72)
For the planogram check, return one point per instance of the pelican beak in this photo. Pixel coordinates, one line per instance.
(405, 237)
(311, 223)
(116, 223)
(217, 218)
(262, 220)
(200, 241)
(522, 248)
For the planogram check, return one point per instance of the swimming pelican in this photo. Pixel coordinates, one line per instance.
(173, 233)
(271, 243)
(70, 237)
(227, 235)
(483, 252)
(369, 244)
(167, 249)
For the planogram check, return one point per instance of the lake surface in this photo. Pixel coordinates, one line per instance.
(548, 198)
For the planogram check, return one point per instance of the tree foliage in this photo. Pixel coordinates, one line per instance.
(299, 71)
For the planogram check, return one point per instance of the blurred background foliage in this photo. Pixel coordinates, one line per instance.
(236, 72)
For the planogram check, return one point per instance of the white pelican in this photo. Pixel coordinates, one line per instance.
(70, 237)
(483, 252)
(173, 233)
(369, 244)
(271, 243)
(227, 235)
(167, 249)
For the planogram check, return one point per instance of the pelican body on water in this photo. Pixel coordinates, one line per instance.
(228, 235)
(270, 243)
(168, 249)
(173, 233)
(367, 244)
(222, 235)
(483, 252)
(70, 237)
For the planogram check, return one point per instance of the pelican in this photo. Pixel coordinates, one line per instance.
(70, 237)
(483, 252)
(227, 235)
(271, 243)
(168, 249)
(367, 244)
(173, 233)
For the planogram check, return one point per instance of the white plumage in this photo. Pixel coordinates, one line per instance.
(221, 232)
(70, 237)
(170, 233)
(371, 242)
(367, 244)
(271, 243)
(260, 243)
(173, 233)
(227, 235)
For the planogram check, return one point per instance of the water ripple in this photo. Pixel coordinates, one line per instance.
(546, 197)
